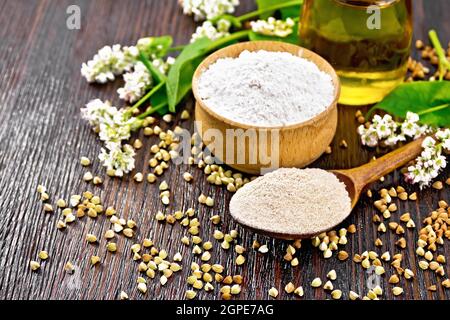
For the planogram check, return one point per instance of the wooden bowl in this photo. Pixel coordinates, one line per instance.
(299, 144)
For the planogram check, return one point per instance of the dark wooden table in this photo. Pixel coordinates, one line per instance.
(43, 137)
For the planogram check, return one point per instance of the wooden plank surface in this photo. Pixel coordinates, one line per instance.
(42, 138)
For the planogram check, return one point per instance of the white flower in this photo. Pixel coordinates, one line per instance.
(430, 162)
(96, 110)
(118, 127)
(148, 47)
(163, 66)
(208, 9)
(108, 63)
(441, 162)
(446, 144)
(118, 158)
(273, 27)
(411, 128)
(412, 117)
(385, 127)
(369, 136)
(443, 135)
(208, 30)
(113, 125)
(136, 83)
(428, 143)
(394, 139)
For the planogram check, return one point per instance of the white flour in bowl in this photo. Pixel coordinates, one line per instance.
(266, 88)
(292, 201)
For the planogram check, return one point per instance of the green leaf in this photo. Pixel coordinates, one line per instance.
(156, 96)
(154, 47)
(160, 98)
(263, 4)
(291, 12)
(292, 38)
(157, 76)
(179, 79)
(429, 99)
(162, 110)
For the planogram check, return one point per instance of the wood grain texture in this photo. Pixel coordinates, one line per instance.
(42, 138)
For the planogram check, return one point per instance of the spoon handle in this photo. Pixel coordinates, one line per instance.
(374, 170)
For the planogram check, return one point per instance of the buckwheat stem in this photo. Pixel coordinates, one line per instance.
(152, 110)
(444, 64)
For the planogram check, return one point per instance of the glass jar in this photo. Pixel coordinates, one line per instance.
(367, 41)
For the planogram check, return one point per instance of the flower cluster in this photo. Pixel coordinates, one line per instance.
(163, 66)
(113, 126)
(149, 48)
(113, 61)
(117, 126)
(95, 111)
(118, 159)
(109, 62)
(207, 29)
(208, 9)
(273, 27)
(431, 161)
(137, 83)
(390, 132)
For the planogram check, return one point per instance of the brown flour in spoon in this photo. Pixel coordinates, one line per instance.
(292, 201)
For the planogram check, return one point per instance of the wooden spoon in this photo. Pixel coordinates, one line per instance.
(356, 180)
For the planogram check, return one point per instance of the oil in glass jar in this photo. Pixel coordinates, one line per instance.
(367, 41)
